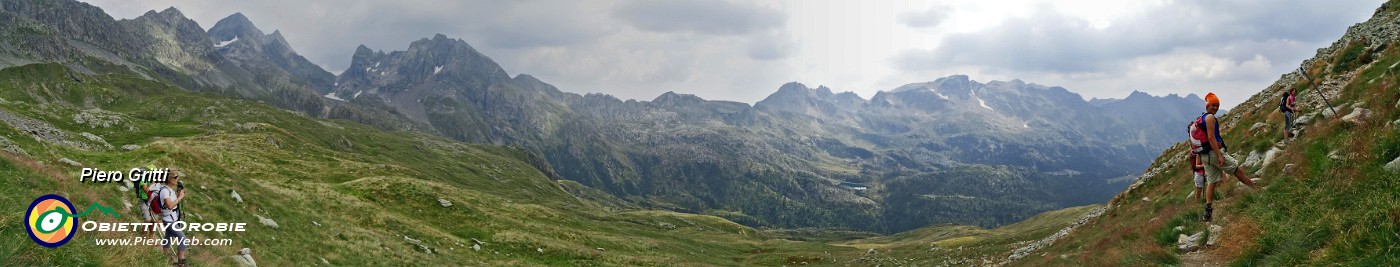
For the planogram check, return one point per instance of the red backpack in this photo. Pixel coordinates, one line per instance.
(158, 203)
(1199, 139)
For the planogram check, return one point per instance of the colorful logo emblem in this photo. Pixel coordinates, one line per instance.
(50, 221)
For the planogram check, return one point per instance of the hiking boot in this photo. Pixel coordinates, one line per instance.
(1206, 217)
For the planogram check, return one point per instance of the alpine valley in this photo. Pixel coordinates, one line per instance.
(534, 173)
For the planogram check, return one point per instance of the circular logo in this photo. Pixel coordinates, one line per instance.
(49, 221)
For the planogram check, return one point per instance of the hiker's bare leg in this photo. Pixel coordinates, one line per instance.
(1239, 174)
(1210, 193)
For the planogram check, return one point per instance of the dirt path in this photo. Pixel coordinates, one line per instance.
(1200, 258)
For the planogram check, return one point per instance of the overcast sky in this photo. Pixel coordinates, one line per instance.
(744, 50)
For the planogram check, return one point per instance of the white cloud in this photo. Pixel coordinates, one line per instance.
(928, 18)
(742, 51)
(1157, 47)
(706, 17)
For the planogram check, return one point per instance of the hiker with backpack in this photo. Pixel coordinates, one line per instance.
(1206, 141)
(143, 188)
(1198, 173)
(143, 203)
(165, 202)
(1288, 104)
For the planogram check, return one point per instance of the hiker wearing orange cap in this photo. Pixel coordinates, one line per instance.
(1217, 162)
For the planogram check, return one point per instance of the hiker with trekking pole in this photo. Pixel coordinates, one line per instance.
(165, 202)
(1288, 104)
(1206, 142)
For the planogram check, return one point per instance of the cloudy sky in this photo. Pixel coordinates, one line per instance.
(744, 50)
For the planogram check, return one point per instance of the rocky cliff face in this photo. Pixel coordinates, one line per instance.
(63, 20)
(162, 45)
(268, 55)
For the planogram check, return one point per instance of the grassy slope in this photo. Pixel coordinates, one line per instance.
(366, 188)
(372, 190)
(1325, 211)
(961, 244)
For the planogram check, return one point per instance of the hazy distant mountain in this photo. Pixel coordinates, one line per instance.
(790, 159)
(1099, 102)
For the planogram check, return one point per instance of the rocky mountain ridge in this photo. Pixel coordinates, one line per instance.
(817, 139)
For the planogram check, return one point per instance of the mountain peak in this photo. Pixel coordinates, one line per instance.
(671, 97)
(276, 37)
(441, 42)
(954, 84)
(172, 11)
(237, 18)
(793, 87)
(824, 91)
(791, 91)
(169, 14)
(235, 25)
(956, 78)
(1138, 94)
(438, 39)
(798, 98)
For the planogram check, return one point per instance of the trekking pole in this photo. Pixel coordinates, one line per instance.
(1319, 91)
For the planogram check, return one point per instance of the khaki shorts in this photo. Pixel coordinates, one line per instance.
(1213, 168)
(145, 210)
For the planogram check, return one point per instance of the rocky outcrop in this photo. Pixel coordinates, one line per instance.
(419, 244)
(98, 118)
(1357, 116)
(1393, 166)
(266, 222)
(12, 147)
(70, 162)
(244, 258)
(1215, 233)
(1188, 243)
(1024, 251)
(41, 131)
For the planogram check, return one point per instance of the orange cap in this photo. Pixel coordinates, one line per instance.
(1212, 99)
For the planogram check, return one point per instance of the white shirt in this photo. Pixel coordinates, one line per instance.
(166, 195)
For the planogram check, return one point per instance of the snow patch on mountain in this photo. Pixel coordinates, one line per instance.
(981, 102)
(935, 92)
(225, 43)
(331, 95)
